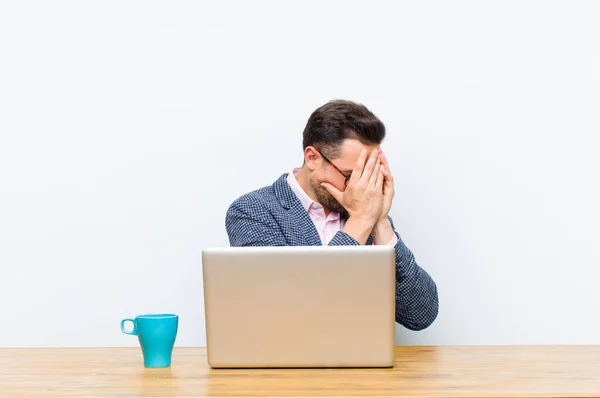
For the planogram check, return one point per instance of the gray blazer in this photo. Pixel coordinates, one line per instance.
(274, 216)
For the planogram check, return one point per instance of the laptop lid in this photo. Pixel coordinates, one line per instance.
(300, 306)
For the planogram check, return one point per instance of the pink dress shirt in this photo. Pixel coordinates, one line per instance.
(328, 226)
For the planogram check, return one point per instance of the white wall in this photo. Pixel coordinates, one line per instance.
(127, 128)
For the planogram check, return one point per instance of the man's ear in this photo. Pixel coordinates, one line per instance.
(312, 158)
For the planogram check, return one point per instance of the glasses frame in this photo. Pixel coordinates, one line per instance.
(340, 171)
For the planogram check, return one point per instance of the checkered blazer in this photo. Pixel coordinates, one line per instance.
(274, 216)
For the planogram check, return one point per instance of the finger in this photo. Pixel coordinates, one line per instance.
(388, 183)
(359, 166)
(380, 179)
(375, 175)
(385, 171)
(336, 193)
(368, 170)
(384, 160)
(388, 175)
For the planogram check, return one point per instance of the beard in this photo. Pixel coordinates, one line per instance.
(325, 198)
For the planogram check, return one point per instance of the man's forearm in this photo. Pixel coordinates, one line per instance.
(382, 232)
(359, 229)
(416, 292)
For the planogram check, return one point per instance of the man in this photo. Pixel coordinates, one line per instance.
(341, 195)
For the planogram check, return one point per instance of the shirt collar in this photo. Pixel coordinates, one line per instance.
(309, 205)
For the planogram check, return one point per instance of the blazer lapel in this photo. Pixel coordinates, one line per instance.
(304, 232)
(305, 227)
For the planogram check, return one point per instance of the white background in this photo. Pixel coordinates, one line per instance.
(128, 127)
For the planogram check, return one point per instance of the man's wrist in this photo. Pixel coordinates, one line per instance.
(382, 232)
(359, 228)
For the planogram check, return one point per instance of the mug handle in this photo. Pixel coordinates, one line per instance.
(133, 331)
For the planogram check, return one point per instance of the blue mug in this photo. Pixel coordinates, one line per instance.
(156, 334)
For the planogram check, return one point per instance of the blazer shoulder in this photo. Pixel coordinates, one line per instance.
(260, 198)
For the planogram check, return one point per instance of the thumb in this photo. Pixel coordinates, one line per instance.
(336, 193)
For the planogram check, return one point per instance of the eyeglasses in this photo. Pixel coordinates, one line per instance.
(340, 171)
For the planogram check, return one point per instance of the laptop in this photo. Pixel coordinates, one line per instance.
(299, 306)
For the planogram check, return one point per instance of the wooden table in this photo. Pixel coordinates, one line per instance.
(499, 371)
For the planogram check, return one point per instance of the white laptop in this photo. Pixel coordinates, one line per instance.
(299, 306)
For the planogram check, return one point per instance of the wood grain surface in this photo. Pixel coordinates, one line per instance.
(498, 371)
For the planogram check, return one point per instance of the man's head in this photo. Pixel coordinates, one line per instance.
(332, 140)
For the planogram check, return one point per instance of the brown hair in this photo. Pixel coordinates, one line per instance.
(338, 120)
